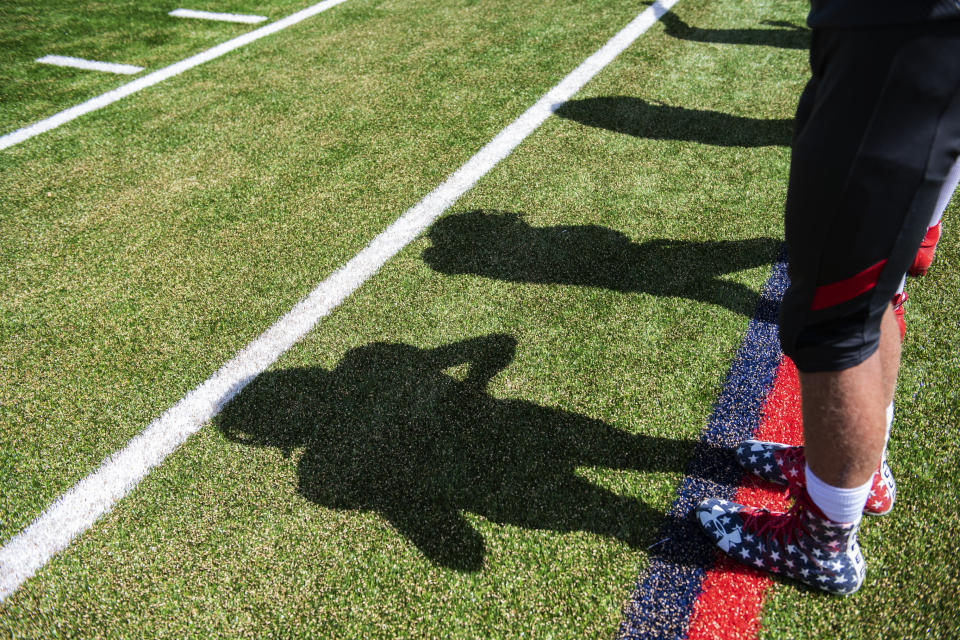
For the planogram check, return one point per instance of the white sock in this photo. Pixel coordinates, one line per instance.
(840, 505)
(889, 426)
(946, 192)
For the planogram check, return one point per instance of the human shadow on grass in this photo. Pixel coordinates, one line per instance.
(637, 117)
(785, 35)
(413, 435)
(501, 245)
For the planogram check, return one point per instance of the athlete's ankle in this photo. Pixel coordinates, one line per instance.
(838, 504)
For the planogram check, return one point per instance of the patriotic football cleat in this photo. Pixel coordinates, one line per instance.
(802, 543)
(785, 465)
(924, 257)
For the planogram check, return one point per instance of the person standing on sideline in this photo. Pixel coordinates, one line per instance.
(874, 160)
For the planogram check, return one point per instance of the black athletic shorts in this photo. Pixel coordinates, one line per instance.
(876, 132)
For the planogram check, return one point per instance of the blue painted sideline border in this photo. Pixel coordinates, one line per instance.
(662, 601)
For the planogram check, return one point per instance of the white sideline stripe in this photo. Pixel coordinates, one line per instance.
(93, 496)
(90, 65)
(210, 15)
(152, 78)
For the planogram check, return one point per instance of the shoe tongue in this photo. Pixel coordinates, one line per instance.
(804, 500)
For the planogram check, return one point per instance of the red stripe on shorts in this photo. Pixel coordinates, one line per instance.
(729, 604)
(834, 293)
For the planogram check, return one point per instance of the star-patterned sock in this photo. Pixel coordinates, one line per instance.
(837, 503)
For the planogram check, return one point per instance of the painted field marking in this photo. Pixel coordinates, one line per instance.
(77, 509)
(154, 77)
(90, 65)
(714, 617)
(667, 593)
(210, 15)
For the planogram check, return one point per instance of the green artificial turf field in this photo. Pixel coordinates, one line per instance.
(483, 439)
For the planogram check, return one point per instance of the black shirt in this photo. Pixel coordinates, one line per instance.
(862, 13)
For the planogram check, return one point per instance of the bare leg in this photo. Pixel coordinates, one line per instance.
(844, 413)
(844, 424)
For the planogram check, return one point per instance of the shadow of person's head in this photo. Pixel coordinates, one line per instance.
(414, 435)
(637, 117)
(503, 246)
(785, 35)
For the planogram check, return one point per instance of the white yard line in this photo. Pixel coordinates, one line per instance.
(90, 65)
(154, 77)
(210, 15)
(81, 506)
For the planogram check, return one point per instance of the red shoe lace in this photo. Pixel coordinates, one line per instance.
(781, 527)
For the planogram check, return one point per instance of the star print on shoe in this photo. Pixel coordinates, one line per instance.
(774, 462)
(785, 465)
(801, 544)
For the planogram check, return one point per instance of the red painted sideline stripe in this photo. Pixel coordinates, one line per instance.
(728, 607)
(829, 295)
